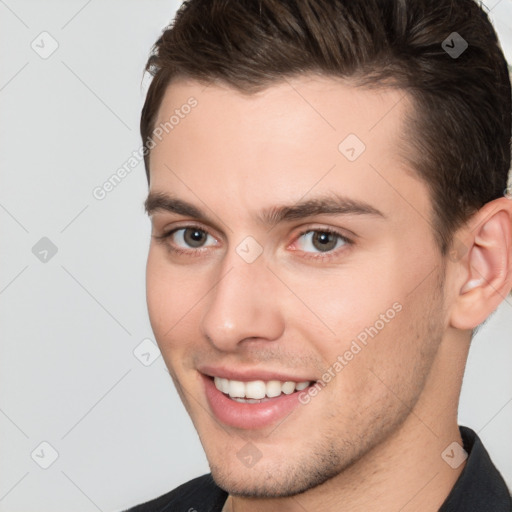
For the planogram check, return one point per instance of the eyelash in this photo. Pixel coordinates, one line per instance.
(323, 257)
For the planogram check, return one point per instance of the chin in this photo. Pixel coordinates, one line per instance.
(276, 480)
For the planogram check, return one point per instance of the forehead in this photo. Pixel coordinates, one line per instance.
(294, 138)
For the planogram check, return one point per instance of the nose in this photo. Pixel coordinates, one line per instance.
(243, 305)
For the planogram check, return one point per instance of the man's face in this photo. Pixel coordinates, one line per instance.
(307, 262)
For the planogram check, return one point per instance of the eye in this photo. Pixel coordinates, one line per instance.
(320, 241)
(190, 238)
(187, 238)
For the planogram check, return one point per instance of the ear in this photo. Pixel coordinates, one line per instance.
(484, 272)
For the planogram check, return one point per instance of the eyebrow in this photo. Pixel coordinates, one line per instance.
(332, 204)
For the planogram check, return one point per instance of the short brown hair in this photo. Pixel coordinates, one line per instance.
(459, 134)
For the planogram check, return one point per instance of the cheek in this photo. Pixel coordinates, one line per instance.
(168, 294)
(159, 294)
(174, 295)
(340, 305)
(400, 356)
(369, 319)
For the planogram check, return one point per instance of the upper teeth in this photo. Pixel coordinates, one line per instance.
(257, 389)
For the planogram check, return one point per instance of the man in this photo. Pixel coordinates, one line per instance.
(329, 227)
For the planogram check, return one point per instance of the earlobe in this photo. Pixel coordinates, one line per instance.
(486, 268)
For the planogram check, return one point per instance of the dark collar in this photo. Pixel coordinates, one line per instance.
(480, 487)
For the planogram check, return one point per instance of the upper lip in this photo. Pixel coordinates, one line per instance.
(250, 374)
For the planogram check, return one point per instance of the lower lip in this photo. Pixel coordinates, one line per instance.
(245, 415)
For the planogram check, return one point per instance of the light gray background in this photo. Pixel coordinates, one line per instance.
(70, 325)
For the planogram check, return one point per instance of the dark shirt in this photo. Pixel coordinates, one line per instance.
(479, 488)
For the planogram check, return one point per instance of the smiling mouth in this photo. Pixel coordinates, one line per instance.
(257, 391)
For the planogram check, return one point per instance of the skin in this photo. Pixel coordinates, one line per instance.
(392, 410)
